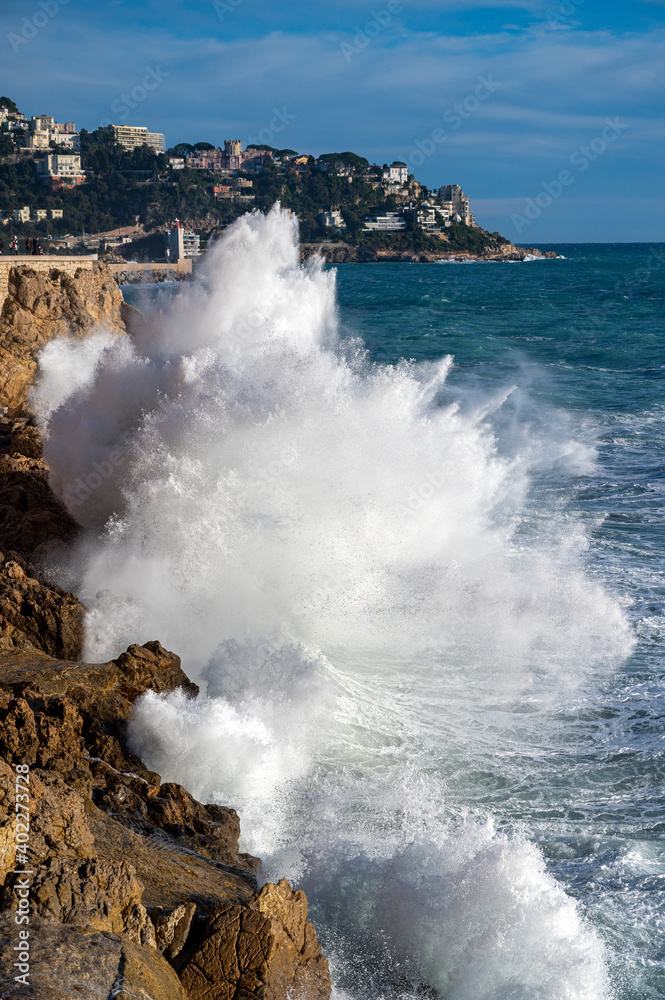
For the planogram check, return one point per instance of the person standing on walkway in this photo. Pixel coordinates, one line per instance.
(28, 245)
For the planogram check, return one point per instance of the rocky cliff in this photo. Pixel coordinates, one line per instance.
(41, 305)
(135, 889)
(131, 888)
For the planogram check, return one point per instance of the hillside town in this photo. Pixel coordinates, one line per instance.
(339, 196)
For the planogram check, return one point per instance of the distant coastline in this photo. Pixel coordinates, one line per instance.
(341, 253)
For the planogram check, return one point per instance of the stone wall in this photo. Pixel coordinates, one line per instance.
(132, 273)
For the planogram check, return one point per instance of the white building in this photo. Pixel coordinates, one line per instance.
(182, 243)
(42, 123)
(390, 222)
(70, 140)
(44, 130)
(131, 136)
(332, 219)
(456, 203)
(397, 173)
(37, 215)
(37, 140)
(61, 170)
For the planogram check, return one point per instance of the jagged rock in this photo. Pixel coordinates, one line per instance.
(170, 874)
(95, 894)
(210, 830)
(31, 516)
(267, 949)
(145, 975)
(145, 861)
(42, 305)
(172, 928)
(63, 716)
(58, 822)
(35, 616)
(27, 442)
(106, 690)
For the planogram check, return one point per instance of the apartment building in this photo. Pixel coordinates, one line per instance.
(60, 170)
(133, 136)
(456, 204)
(390, 222)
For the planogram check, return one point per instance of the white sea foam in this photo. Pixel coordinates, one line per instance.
(370, 602)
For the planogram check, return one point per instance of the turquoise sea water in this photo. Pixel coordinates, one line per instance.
(583, 339)
(563, 360)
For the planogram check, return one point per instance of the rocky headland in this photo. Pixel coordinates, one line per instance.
(133, 888)
(345, 253)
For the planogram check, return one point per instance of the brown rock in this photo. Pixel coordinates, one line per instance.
(267, 949)
(105, 689)
(58, 822)
(146, 975)
(27, 442)
(70, 718)
(40, 306)
(210, 830)
(92, 893)
(172, 928)
(170, 874)
(68, 962)
(31, 516)
(36, 616)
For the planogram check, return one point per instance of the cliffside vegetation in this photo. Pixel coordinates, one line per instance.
(127, 188)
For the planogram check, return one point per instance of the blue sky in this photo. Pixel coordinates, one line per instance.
(535, 84)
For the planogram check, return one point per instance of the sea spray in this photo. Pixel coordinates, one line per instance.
(374, 610)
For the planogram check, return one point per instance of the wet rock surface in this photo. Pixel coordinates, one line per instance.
(136, 870)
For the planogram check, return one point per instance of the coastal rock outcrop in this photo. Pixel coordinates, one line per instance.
(42, 305)
(34, 616)
(126, 866)
(267, 949)
(346, 253)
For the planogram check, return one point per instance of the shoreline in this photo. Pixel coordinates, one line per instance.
(344, 253)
